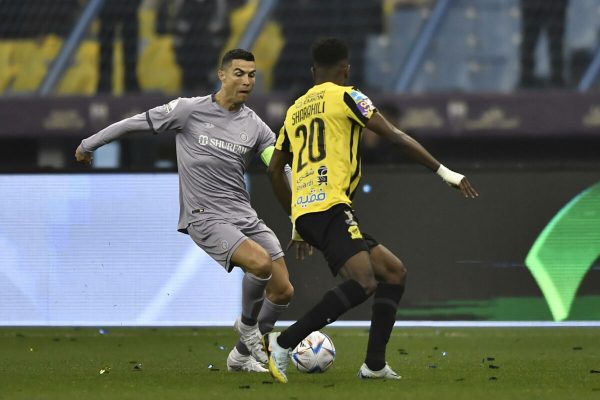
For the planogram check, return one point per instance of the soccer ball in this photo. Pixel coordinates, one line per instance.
(315, 353)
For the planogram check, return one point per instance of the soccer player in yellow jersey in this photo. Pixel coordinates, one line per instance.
(320, 137)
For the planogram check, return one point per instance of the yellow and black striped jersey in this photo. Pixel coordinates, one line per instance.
(322, 130)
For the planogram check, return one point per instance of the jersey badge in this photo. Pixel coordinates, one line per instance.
(364, 104)
(355, 232)
(357, 96)
(322, 175)
(350, 221)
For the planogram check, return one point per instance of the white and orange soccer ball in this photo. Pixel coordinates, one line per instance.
(315, 353)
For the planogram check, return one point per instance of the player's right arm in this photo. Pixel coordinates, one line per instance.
(407, 145)
(169, 117)
(86, 148)
(279, 180)
(416, 152)
(281, 157)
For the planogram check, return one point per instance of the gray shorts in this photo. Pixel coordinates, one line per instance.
(219, 238)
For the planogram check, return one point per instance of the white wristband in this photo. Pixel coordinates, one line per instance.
(449, 176)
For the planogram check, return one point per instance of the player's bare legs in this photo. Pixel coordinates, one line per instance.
(387, 267)
(391, 276)
(279, 288)
(360, 283)
(257, 265)
(278, 295)
(253, 258)
(279, 291)
(359, 268)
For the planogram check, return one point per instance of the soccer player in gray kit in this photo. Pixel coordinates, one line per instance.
(216, 138)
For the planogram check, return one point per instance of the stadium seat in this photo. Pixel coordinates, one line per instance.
(31, 59)
(7, 69)
(157, 67)
(81, 77)
(267, 47)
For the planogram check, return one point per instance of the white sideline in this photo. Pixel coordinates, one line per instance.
(472, 324)
(337, 324)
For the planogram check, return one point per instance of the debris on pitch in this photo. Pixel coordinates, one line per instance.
(105, 371)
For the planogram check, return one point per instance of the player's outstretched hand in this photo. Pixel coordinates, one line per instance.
(466, 189)
(303, 249)
(457, 181)
(82, 156)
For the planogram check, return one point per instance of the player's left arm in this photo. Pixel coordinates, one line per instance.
(278, 159)
(416, 152)
(279, 172)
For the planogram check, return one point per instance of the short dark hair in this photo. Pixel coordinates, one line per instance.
(329, 52)
(236, 54)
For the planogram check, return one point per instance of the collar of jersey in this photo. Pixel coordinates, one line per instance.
(217, 105)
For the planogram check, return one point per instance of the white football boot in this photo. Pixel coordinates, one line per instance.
(385, 373)
(278, 356)
(250, 336)
(237, 362)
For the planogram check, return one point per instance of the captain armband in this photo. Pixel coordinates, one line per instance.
(267, 154)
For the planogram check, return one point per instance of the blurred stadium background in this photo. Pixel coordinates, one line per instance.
(504, 90)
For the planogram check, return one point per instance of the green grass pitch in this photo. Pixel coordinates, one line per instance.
(185, 363)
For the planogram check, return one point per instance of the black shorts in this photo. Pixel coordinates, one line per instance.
(335, 232)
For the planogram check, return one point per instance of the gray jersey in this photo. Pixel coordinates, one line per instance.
(214, 149)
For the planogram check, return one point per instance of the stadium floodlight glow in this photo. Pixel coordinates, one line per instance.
(566, 250)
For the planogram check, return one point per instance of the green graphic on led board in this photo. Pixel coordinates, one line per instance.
(565, 251)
